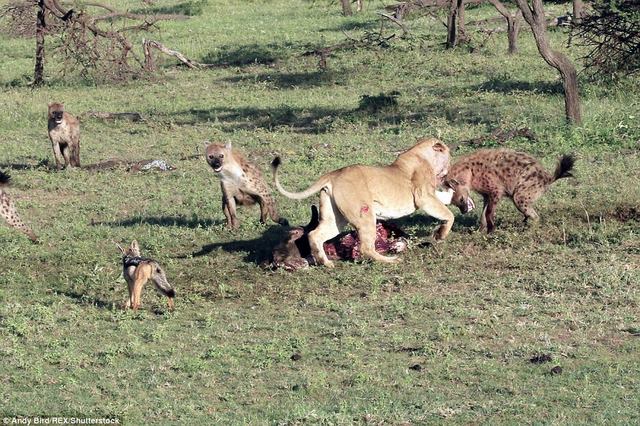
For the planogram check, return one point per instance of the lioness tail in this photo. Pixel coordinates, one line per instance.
(317, 186)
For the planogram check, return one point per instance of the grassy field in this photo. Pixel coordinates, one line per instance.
(448, 335)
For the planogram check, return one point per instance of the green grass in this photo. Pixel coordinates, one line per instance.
(471, 312)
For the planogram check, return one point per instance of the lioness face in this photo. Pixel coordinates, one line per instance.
(216, 155)
(437, 154)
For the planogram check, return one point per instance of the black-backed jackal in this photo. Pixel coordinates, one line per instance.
(138, 270)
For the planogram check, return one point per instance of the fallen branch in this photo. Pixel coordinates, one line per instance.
(396, 21)
(147, 45)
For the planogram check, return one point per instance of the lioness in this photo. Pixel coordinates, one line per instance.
(361, 194)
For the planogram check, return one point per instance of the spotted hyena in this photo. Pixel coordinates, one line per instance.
(495, 173)
(8, 210)
(241, 183)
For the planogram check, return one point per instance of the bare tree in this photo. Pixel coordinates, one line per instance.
(513, 24)
(611, 32)
(88, 41)
(533, 13)
(455, 23)
(38, 73)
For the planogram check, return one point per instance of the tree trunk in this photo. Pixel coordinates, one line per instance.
(346, 7)
(513, 24)
(455, 19)
(578, 11)
(38, 73)
(513, 29)
(536, 19)
(462, 34)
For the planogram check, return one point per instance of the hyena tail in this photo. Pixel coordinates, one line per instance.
(75, 155)
(565, 165)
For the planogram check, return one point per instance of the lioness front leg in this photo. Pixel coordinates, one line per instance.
(434, 208)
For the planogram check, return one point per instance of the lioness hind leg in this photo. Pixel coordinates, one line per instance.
(434, 208)
(367, 235)
(331, 221)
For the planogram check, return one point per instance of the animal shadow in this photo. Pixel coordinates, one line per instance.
(85, 299)
(181, 221)
(258, 250)
(30, 163)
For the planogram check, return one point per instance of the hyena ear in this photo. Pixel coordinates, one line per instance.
(205, 144)
(451, 183)
(228, 145)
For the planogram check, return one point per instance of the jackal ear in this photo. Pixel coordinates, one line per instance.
(134, 245)
(228, 145)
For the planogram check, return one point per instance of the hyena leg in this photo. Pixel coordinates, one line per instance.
(9, 213)
(229, 207)
(272, 211)
(331, 221)
(488, 220)
(57, 155)
(66, 153)
(523, 201)
(266, 208)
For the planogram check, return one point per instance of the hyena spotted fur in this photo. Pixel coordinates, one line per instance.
(495, 173)
(8, 209)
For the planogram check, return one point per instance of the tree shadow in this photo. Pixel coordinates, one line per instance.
(187, 8)
(250, 54)
(353, 26)
(383, 109)
(302, 120)
(178, 221)
(258, 250)
(25, 80)
(500, 85)
(291, 80)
